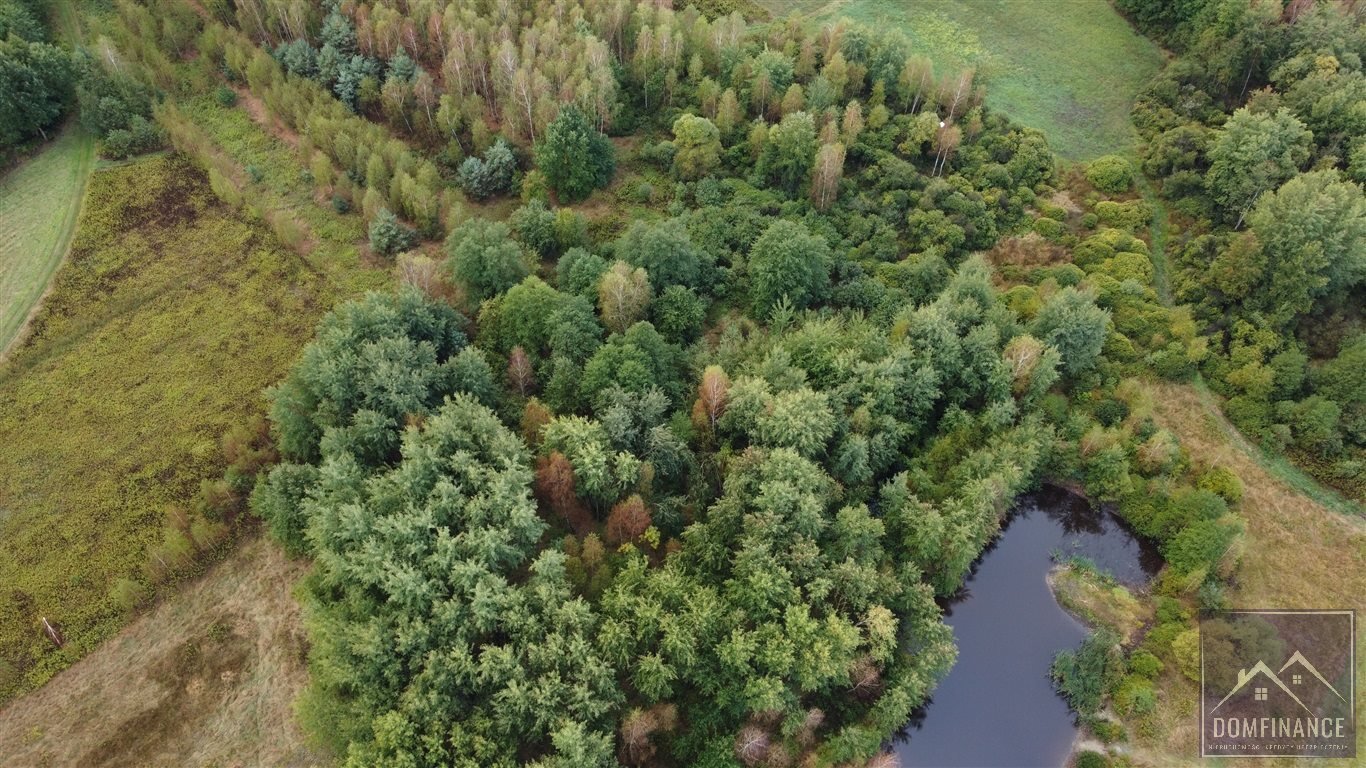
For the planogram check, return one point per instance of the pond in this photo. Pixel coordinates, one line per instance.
(997, 706)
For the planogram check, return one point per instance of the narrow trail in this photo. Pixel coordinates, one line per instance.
(1275, 465)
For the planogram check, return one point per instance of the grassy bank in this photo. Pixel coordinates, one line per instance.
(170, 316)
(1070, 68)
(1298, 553)
(39, 203)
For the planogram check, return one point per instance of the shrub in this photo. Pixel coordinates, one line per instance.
(1126, 216)
(1083, 676)
(1089, 759)
(1145, 664)
(1222, 481)
(1111, 173)
(225, 96)
(1051, 229)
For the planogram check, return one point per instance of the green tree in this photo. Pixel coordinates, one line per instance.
(1255, 153)
(1312, 233)
(665, 250)
(697, 145)
(1071, 322)
(575, 157)
(35, 85)
(789, 153)
(388, 236)
(788, 262)
(485, 258)
(386, 355)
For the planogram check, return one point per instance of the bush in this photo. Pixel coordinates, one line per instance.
(1126, 216)
(1084, 676)
(1145, 664)
(1051, 229)
(1111, 173)
(225, 96)
(1222, 481)
(1089, 759)
(388, 236)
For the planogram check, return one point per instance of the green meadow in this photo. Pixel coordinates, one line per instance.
(1070, 68)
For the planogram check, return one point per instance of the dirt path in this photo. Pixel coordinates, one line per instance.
(208, 677)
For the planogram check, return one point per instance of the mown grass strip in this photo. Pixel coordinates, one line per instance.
(40, 202)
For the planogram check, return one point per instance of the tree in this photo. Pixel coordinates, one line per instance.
(788, 262)
(665, 251)
(1255, 153)
(535, 227)
(789, 152)
(627, 521)
(388, 236)
(728, 114)
(712, 396)
(697, 147)
(492, 175)
(35, 85)
(1071, 322)
(575, 157)
(384, 356)
(825, 177)
(484, 258)
(623, 295)
(1312, 233)
(520, 373)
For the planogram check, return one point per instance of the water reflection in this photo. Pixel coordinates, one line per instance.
(997, 706)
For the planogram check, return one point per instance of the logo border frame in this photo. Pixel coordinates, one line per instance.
(1351, 659)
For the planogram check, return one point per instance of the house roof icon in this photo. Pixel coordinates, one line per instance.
(1246, 676)
(1298, 658)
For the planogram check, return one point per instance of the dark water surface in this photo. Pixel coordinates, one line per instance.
(997, 706)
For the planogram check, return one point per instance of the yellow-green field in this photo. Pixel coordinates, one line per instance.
(1070, 68)
(169, 318)
(39, 202)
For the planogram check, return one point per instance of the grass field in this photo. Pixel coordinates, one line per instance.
(170, 317)
(39, 203)
(1070, 68)
(205, 679)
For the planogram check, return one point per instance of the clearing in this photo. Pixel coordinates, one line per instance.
(207, 678)
(169, 318)
(39, 203)
(1070, 68)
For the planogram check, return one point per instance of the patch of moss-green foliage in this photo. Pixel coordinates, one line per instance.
(170, 317)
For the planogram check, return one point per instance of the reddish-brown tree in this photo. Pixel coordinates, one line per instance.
(627, 520)
(555, 491)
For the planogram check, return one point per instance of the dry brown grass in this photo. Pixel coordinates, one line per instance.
(207, 678)
(1097, 603)
(1297, 554)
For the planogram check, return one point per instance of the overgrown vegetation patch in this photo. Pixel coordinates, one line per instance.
(170, 318)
